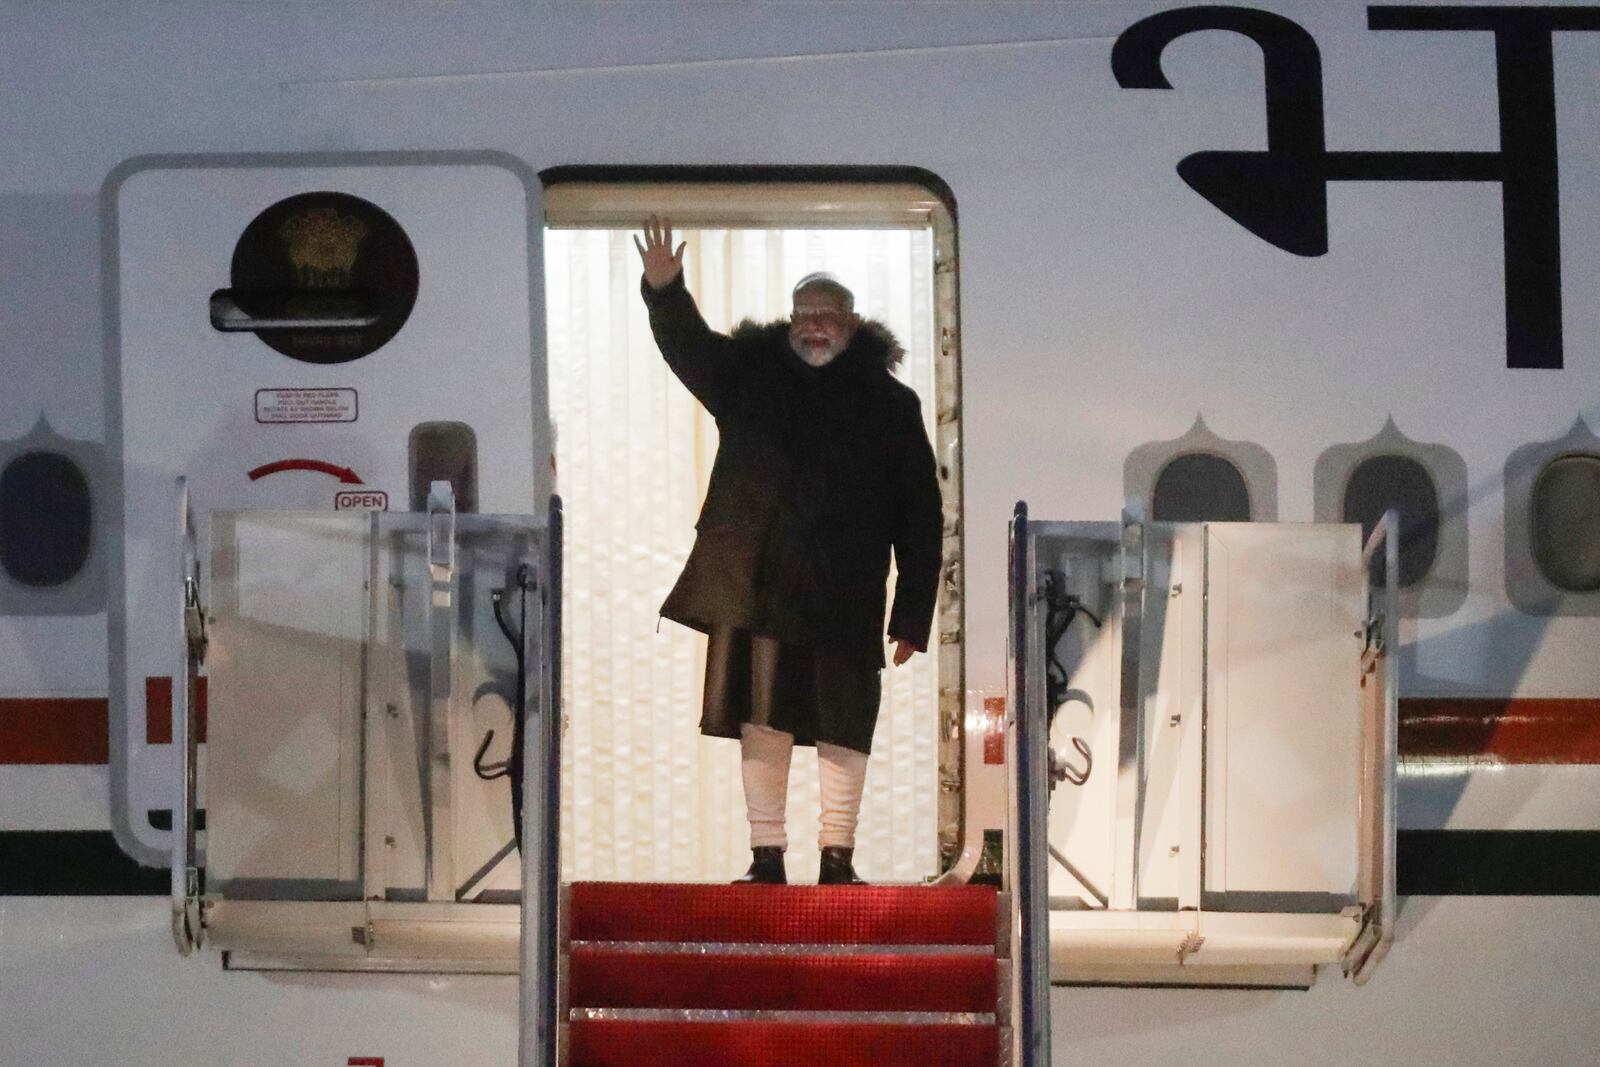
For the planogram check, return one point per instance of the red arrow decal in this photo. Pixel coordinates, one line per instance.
(344, 474)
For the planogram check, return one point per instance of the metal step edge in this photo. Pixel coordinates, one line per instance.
(756, 948)
(768, 1015)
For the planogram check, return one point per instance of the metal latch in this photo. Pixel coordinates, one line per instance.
(441, 540)
(194, 620)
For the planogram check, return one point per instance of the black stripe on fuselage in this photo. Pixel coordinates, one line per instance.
(1431, 863)
(1521, 863)
(74, 863)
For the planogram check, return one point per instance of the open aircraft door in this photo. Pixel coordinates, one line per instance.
(329, 370)
(1205, 725)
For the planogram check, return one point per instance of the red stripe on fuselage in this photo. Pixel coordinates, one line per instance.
(1526, 730)
(1521, 730)
(74, 730)
(54, 730)
(158, 710)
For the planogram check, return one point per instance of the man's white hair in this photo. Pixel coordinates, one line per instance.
(823, 282)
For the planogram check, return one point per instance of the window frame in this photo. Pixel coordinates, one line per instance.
(1438, 513)
(1539, 477)
(1178, 457)
(1443, 590)
(84, 593)
(1145, 463)
(1528, 588)
(90, 518)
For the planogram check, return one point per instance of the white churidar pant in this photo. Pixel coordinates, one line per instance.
(764, 764)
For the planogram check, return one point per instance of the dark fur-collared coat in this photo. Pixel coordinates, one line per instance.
(820, 473)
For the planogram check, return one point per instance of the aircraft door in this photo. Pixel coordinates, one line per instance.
(302, 332)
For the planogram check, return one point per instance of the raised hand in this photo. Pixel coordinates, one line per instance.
(661, 263)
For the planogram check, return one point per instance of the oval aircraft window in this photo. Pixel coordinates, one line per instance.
(326, 256)
(1398, 482)
(45, 519)
(444, 451)
(1200, 487)
(1566, 523)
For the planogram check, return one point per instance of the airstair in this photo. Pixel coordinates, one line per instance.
(781, 976)
(393, 860)
(389, 648)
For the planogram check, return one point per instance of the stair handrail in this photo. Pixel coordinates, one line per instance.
(1028, 739)
(1384, 609)
(188, 931)
(539, 991)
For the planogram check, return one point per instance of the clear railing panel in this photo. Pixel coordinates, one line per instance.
(368, 674)
(1214, 709)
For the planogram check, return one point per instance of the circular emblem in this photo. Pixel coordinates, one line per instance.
(321, 256)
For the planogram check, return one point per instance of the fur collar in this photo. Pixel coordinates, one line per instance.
(873, 345)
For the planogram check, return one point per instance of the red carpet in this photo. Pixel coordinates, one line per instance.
(647, 949)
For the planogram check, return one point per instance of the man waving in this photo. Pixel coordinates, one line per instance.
(823, 468)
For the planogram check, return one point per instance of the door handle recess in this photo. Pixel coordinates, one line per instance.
(234, 311)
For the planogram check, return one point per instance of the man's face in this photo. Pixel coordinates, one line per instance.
(820, 328)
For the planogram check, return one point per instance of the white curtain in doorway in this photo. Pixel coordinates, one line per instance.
(645, 797)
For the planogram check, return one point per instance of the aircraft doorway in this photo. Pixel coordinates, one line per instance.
(645, 797)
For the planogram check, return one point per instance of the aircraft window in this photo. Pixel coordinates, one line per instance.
(1566, 516)
(444, 452)
(1200, 487)
(1402, 483)
(46, 527)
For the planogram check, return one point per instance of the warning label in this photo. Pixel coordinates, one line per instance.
(361, 500)
(306, 405)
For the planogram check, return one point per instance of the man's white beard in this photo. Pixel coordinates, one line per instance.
(819, 355)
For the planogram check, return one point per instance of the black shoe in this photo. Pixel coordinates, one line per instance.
(766, 867)
(836, 869)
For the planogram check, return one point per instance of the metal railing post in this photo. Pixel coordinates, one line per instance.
(1134, 554)
(439, 779)
(539, 1026)
(1375, 944)
(186, 925)
(1030, 920)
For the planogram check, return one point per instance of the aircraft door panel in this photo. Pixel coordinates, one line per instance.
(1169, 831)
(1284, 633)
(280, 326)
(283, 819)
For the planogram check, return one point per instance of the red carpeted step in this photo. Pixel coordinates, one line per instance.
(783, 915)
(615, 978)
(608, 1043)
